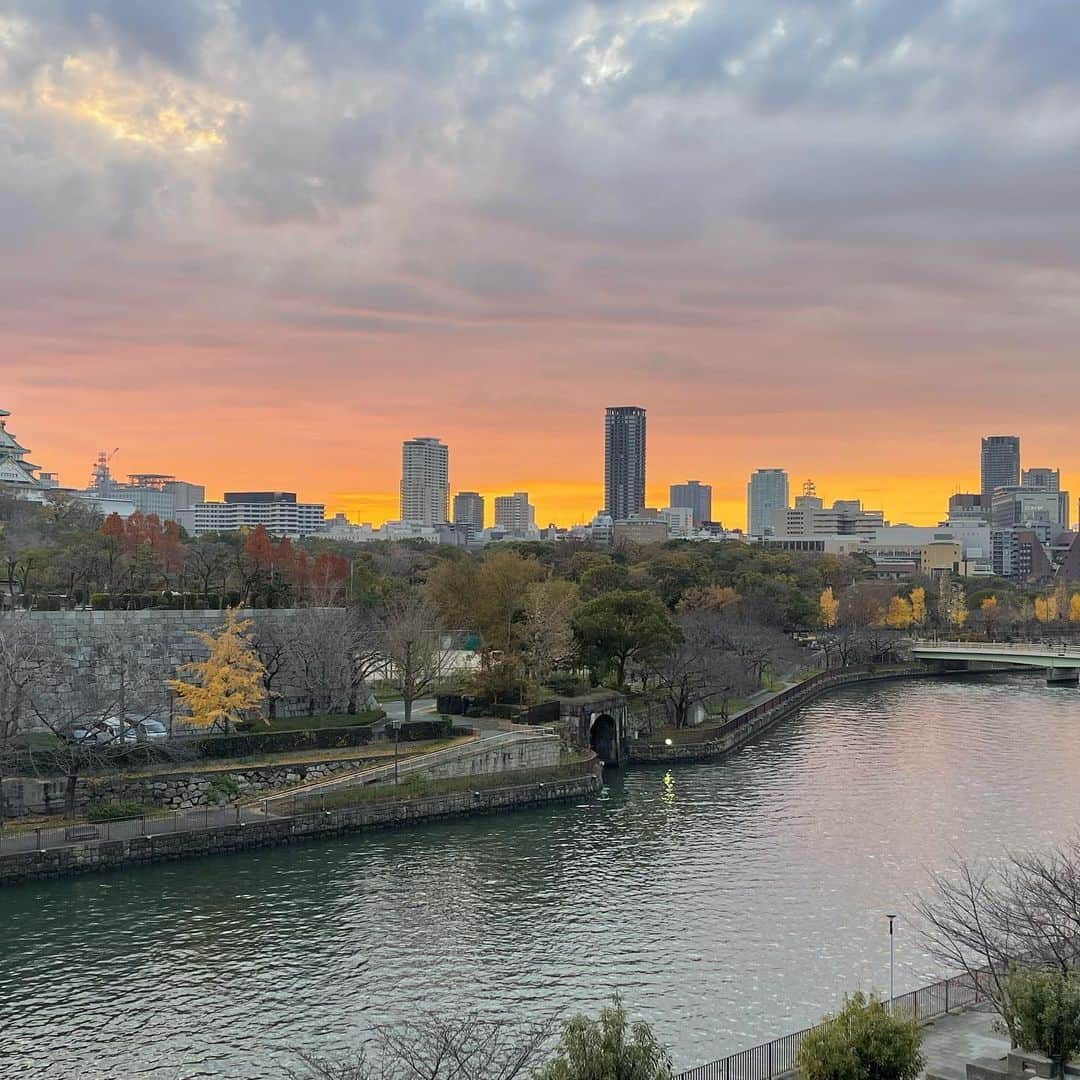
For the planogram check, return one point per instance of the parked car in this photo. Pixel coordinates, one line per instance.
(77, 733)
(108, 731)
(151, 730)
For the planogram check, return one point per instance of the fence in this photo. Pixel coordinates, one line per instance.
(123, 829)
(299, 805)
(772, 1059)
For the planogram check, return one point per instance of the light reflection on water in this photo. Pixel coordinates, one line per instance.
(728, 903)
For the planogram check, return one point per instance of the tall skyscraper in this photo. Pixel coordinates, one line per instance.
(469, 510)
(766, 493)
(694, 496)
(425, 484)
(1000, 464)
(624, 461)
(514, 513)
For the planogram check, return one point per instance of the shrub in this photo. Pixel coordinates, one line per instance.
(221, 788)
(115, 811)
(862, 1042)
(421, 730)
(1042, 1012)
(608, 1047)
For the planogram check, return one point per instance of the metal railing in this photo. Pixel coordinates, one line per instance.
(773, 1059)
(1020, 648)
(82, 832)
(411, 764)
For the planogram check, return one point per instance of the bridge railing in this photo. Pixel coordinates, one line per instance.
(773, 1059)
(1020, 648)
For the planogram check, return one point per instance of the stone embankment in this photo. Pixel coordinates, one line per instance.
(747, 725)
(93, 856)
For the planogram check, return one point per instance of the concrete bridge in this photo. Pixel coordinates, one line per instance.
(1060, 662)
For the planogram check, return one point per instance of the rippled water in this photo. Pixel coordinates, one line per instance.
(729, 903)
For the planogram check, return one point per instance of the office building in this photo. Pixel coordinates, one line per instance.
(680, 521)
(810, 517)
(18, 476)
(469, 509)
(624, 461)
(967, 506)
(1043, 479)
(1030, 508)
(515, 514)
(696, 496)
(1000, 464)
(639, 531)
(766, 493)
(277, 511)
(425, 481)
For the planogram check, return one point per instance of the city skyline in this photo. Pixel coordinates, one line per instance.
(729, 492)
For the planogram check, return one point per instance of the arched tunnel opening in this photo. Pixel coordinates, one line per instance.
(604, 739)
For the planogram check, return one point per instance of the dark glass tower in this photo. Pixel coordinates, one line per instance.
(1000, 465)
(624, 461)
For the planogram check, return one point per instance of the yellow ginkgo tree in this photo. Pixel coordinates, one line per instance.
(228, 684)
(829, 608)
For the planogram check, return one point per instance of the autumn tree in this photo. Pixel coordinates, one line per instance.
(918, 606)
(547, 632)
(228, 684)
(1074, 608)
(829, 607)
(899, 615)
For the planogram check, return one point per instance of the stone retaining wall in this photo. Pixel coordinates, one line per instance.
(86, 858)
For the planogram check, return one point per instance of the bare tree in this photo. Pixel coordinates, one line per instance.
(699, 669)
(24, 654)
(1023, 909)
(438, 1048)
(322, 654)
(414, 648)
(275, 644)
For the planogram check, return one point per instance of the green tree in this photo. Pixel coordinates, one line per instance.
(862, 1042)
(620, 627)
(610, 1048)
(1041, 1010)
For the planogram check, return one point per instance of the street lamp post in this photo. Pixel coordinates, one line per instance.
(892, 989)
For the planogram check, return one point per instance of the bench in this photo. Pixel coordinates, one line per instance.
(81, 832)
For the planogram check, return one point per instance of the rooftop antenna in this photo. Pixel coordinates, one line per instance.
(809, 488)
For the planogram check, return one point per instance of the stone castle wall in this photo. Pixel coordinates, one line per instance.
(163, 642)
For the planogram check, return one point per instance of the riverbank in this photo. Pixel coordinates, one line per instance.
(269, 830)
(718, 742)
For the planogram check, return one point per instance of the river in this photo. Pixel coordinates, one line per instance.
(728, 902)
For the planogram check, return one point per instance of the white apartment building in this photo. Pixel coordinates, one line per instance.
(766, 493)
(425, 481)
(278, 511)
(680, 521)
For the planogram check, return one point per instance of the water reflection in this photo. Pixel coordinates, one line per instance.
(727, 902)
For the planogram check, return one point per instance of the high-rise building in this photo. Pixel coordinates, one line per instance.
(1043, 479)
(469, 511)
(1016, 506)
(515, 514)
(425, 481)
(624, 461)
(766, 493)
(694, 495)
(1000, 464)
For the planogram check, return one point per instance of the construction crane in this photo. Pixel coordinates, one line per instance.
(101, 477)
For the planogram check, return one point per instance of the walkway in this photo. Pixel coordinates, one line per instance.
(950, 1042)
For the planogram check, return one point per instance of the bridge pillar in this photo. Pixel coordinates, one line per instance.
(1062, 676)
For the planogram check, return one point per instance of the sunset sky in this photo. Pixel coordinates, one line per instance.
(257, 243)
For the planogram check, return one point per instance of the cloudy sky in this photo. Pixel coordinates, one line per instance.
(259, 242)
